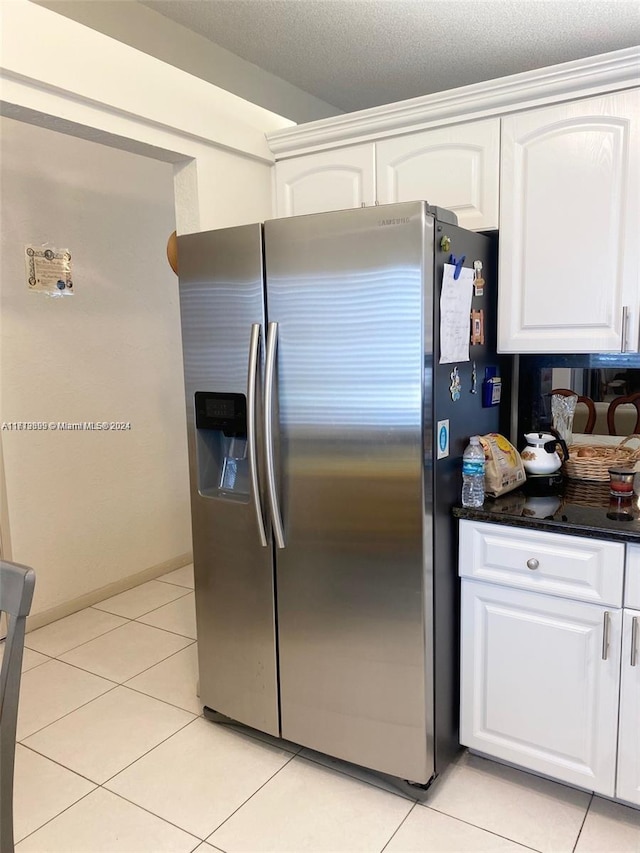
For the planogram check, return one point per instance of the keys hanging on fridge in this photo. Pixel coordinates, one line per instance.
(478, 281)
(477, 327)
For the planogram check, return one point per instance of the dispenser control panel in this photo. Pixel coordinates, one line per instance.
(224, 412)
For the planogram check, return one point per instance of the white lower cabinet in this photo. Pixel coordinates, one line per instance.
(628, 787)
(551, 682)
(540, 683)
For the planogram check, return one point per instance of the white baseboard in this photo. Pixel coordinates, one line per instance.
(38, 620)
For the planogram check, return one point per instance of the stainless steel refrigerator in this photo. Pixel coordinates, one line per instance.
(323, 544)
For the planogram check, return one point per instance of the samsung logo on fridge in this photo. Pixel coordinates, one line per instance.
(402, 220)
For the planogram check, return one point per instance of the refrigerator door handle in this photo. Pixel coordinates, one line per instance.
(254, 348)
(276, 519)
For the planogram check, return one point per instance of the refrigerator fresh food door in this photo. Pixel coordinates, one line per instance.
(352, 299)
(223, 320)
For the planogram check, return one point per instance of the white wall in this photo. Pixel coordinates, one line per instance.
(56, 73)
(149, 31)
(88, 509)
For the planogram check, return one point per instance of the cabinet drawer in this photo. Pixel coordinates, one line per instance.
(568, 566)
(632, 584)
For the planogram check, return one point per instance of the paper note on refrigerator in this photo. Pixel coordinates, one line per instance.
(455, 307)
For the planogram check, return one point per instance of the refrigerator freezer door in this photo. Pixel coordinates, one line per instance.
(352, 296)
(221, 300)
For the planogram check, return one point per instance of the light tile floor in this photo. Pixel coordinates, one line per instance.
(114, 755)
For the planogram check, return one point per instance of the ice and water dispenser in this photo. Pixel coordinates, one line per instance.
(221, 442)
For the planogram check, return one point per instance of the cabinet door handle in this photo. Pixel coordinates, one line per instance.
(634, 641)
(606, 627)
(625, 319)
(532, 564)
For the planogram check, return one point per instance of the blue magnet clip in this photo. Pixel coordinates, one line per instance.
(458, 265)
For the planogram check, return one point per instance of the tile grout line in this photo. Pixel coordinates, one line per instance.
(127, 619)
(101, 785)
(93, 781)
(114, 684)
(96, 785)
(324, 766)
(42, 663)
(584, 820)
(475, 826)
(397, 829)
(215, 847)
(66, 809)
(244, 802)
(197, 716)
(113, 793)
(171, 654)
(185, 592)
(144, 754)
(122, 797)
(59, 764)
(148, 811)
(88, 702)
(84, 642)
(164, 660)
(243, 730)
(168, 630)
(85, 671)
(172, 583)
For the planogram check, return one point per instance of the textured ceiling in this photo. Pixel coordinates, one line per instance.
(360, 53)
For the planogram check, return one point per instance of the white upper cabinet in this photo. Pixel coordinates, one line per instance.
(456, 167)
(569, 227)
(328, 180)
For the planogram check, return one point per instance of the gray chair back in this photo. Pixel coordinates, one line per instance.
(16, 594)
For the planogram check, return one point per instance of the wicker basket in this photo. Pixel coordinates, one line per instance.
(584, 493)
(594, 460)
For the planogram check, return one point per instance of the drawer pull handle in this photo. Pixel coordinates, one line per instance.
(634, 641)
(605, 635)
(532, 564)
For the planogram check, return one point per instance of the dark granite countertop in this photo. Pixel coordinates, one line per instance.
(580, 508)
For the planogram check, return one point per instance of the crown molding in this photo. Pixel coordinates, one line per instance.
(607, 72)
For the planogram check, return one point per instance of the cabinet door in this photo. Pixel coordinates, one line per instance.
(569, 195)
(329, 180)
(455, 167)
(628, 787)
(539, 684)
(632, 577)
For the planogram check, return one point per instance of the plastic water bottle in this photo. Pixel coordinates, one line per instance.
(473, 473)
